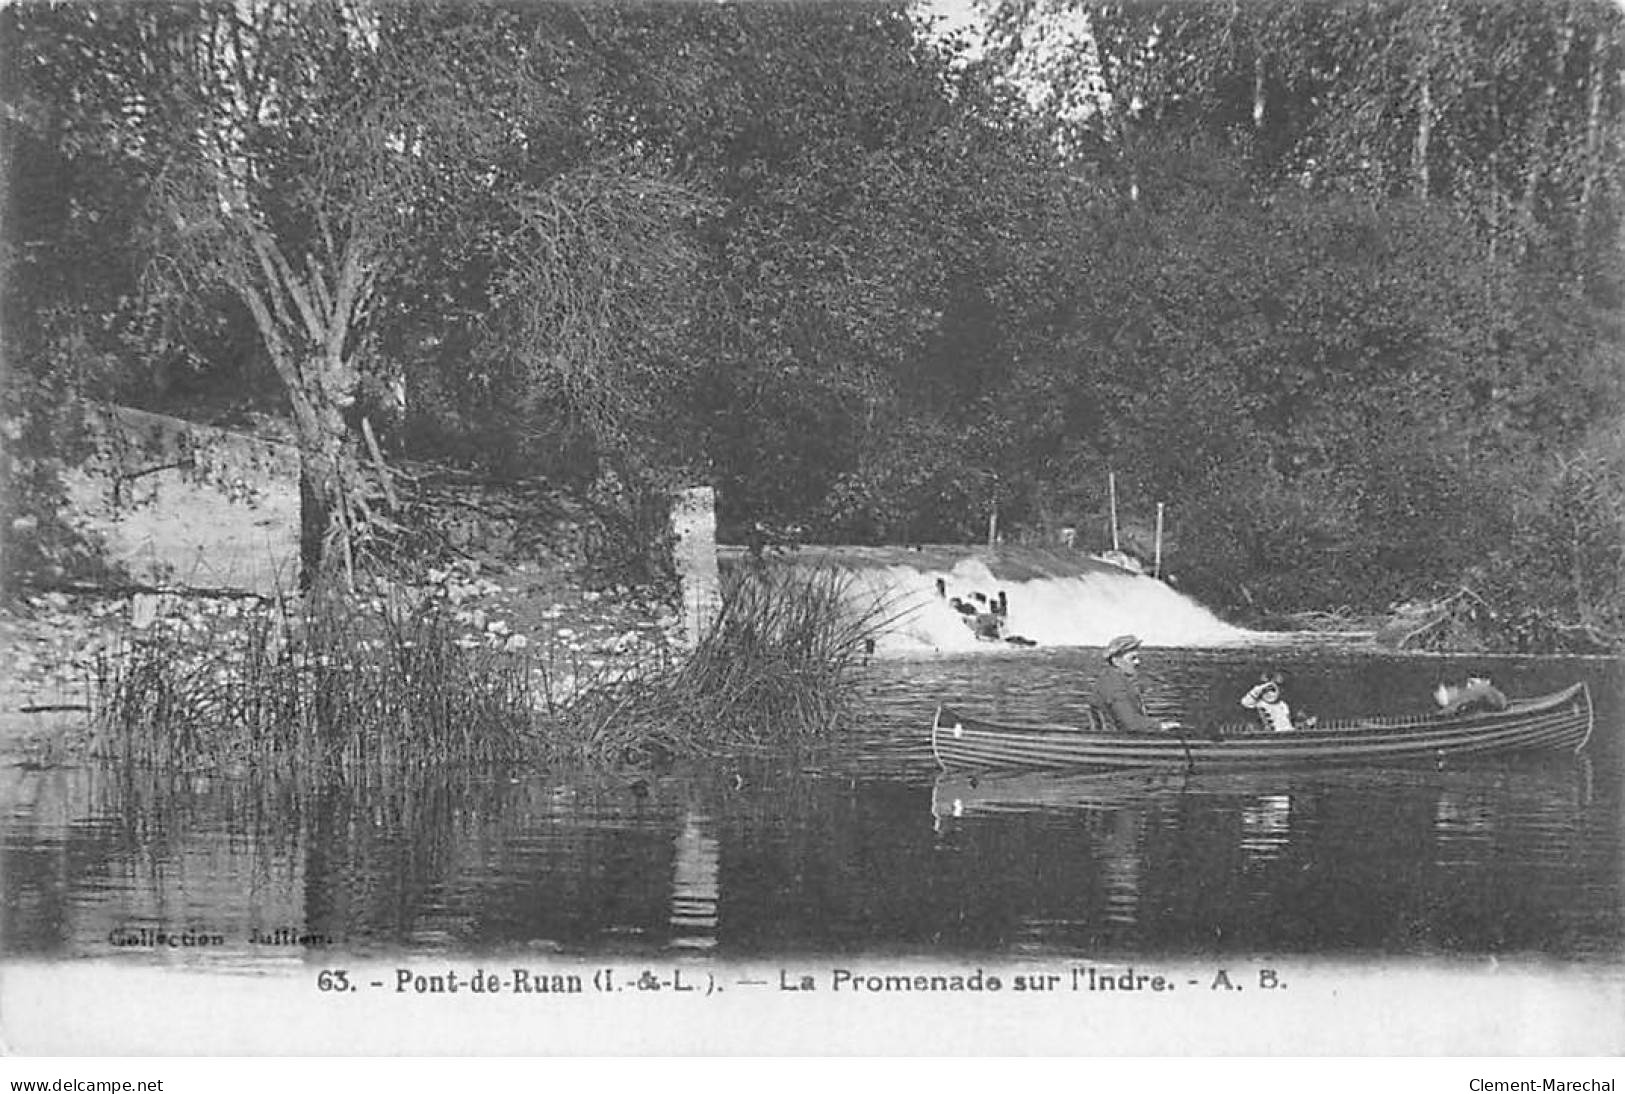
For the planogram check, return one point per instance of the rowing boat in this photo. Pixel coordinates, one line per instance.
(1561, 720)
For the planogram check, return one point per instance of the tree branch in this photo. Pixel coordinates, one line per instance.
(285, 279)
(323, 297)
(351, 278)
(282, 358)
(278, 302)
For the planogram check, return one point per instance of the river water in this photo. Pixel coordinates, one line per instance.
(864, 848)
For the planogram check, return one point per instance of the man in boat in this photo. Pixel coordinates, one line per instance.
(1478, 694)
(1117, 692)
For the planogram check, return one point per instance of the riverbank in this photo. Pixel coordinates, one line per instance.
(53, 645)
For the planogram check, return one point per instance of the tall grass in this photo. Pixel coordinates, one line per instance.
(339, 688)
(343, 690)
(774, 668)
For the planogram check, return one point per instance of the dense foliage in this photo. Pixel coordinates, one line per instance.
(1339, 284)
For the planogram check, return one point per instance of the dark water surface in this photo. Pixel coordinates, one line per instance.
(864, 848)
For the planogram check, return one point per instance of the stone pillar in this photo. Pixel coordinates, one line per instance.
(694, 529)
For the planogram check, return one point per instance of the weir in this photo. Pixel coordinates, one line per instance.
(1056, 597)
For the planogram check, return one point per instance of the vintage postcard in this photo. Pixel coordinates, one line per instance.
(975, 527)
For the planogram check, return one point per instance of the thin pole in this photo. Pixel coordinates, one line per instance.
(993, 516)
(1111, 485)
(1157, 567)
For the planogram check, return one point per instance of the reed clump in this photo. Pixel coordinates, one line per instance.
(338, 686)
(352, 689)
(775, 668)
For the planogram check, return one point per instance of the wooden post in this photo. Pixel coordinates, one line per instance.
(1156, 569)
(1111, 486)
(993, 516)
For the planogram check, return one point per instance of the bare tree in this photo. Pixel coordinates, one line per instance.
(313, 153)
(288, 167)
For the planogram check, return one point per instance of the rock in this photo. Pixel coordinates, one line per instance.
(145, 610)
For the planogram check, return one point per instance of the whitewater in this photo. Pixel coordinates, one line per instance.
(1056, 597)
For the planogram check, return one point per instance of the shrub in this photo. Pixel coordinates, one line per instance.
(775, 668)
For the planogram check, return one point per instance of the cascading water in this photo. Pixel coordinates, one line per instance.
(1080, 610)
(1055, 598)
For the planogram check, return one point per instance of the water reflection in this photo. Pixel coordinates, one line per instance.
(1120, 866)
(1356, 859)
(694, 890)
(1266, 827)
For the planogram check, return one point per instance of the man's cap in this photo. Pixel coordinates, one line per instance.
(1120, 645)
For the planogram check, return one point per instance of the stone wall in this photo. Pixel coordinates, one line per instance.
(177, 504)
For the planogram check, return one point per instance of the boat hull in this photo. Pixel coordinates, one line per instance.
(1561, 720)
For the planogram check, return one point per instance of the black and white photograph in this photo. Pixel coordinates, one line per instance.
(813, 528)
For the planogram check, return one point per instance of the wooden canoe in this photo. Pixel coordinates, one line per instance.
(1562, 719)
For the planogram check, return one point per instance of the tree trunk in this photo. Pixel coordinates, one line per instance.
(1424, 123)
(1494, 175)
(1593, 162)
(1541, 130)
(330, 490)
(1258, 92)
(304, 324)
(315, 515)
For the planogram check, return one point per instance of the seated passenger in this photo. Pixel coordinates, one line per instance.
(1273, 711)
(1478, 694)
